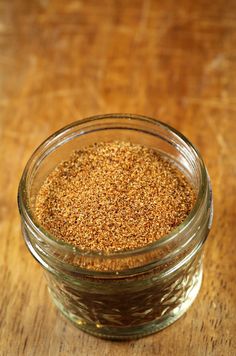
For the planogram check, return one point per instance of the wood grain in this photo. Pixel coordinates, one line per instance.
(64, 60)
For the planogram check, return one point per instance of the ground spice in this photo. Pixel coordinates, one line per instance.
(113, 196)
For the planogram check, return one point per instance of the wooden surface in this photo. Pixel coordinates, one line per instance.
(64, 60)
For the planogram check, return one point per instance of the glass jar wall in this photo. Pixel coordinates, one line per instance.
(123, 294)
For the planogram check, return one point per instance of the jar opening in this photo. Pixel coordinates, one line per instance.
(134, 128)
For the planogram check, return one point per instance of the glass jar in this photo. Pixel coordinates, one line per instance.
(127, 294)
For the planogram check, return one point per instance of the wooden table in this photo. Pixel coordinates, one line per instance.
(64, 60)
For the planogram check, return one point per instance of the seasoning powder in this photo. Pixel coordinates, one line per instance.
(113, 196)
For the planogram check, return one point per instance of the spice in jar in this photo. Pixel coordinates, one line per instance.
(114, 196)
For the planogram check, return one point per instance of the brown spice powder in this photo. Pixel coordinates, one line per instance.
(113, 196)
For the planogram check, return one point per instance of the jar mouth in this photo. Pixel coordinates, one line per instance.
(51, 144)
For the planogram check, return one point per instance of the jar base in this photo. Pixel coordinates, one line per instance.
(133, 332)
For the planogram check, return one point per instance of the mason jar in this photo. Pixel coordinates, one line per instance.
(125, 294)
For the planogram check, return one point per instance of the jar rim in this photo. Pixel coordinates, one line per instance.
(23, 197)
